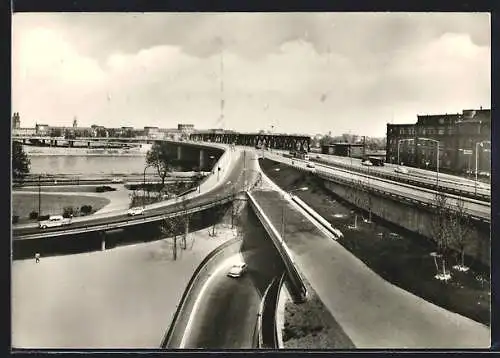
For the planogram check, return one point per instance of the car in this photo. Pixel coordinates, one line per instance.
(54, 221)
(401, 170)
(237, 270)
(311, 165)
(135, 211)
(367, 163)
(117, 180)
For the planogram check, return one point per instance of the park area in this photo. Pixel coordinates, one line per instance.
(23, 204)
(399, 257)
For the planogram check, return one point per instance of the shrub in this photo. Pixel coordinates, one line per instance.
(68, 212)
(86, 209)
(43, 217)
(15, 219)
(34, 215)
(104, 188)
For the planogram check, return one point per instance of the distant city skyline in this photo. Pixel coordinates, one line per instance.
(292, 72)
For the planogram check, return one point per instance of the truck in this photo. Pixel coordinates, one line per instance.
(54, 221)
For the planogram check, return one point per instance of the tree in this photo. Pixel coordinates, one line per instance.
(161, 159)
(441, 232)
(20, 161)
(171, 227)
(460, 231)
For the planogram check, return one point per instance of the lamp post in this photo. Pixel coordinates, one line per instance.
(289, 192)
(144, 182)
(479, 144)
(437, 158)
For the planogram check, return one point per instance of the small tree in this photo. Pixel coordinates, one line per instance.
(20, 162)
(161, 159)
(460, 231)
(171, 227)
(441, 231)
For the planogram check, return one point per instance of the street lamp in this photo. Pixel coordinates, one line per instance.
(437, 158)
(144, 182)
(399, 143)
(477, 151)
(289, 192)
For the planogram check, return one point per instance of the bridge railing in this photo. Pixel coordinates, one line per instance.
(399, 178)
(125, 223)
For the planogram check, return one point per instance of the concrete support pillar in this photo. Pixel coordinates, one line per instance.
(179, 152)
(103, 241)
(88, 144)
(202, 159)
(55, 142)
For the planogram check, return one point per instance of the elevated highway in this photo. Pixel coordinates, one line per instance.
(215, 190)
(424, 178)
(480, 210)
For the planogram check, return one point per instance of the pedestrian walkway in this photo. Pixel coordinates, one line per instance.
(372, 312)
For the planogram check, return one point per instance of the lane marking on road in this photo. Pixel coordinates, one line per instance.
(224, 265)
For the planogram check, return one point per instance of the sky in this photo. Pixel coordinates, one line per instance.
(304, 73)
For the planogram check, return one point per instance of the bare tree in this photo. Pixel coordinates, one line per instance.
(170, 227)
(441, 232)
(460, 231)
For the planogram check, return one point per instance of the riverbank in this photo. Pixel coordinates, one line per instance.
(120, 298)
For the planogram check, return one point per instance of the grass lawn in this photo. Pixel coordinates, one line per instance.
(398, 256)
(311, 326)
(51, 204)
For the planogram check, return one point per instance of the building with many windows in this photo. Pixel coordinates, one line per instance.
(460, 137)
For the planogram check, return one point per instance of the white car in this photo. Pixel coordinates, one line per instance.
(310, 165)
(135, 211)
(54, 221)
(237, 270)
(367, 163)
(401, 170)
(117, 180)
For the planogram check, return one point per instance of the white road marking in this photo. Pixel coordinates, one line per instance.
(223, 266)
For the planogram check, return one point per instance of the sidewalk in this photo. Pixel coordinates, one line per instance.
(371, 311)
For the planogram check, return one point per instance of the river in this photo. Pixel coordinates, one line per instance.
(75, 165)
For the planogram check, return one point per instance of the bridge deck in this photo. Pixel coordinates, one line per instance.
(371, 311)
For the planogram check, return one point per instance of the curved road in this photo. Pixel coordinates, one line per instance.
(225, 314)
(233, 179)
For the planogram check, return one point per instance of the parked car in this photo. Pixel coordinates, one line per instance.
(401, 170)
(367, 163)
(135, 211)
(237, 270)
(117, 180)
(54, 221)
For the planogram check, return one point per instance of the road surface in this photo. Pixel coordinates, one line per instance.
(225, 315)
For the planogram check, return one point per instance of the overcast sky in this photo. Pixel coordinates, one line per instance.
(299, 72)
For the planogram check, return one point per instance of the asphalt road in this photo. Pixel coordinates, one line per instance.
(226, 314)
(480, 209)
(422, 175)
(233, 179)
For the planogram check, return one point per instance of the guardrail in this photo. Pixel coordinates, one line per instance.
(125, 223)
(167, 339)
(400, 178)
(324, 223)
(298, 288)
(391, 194)
(268, 330)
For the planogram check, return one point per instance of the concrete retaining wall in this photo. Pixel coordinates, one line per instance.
(409, 217)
